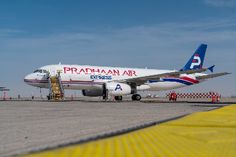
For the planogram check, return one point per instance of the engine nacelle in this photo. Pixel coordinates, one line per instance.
(92, 93)
(118, 89)
(110, 88)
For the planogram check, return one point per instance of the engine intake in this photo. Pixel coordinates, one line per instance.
(92, 93)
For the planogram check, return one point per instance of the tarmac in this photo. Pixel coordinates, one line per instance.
(29, 126)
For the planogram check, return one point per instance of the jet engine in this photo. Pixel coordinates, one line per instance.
(110, 88)
(92, 92)
(118, 89)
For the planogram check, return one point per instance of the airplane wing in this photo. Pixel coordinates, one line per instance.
(143, 79)
(211, 75)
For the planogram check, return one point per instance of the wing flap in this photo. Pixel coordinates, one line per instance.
(212, 75)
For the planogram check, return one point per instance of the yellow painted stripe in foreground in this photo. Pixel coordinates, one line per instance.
(211, 133)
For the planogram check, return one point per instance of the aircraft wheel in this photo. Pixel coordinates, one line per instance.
(118, 98)
(136, 97)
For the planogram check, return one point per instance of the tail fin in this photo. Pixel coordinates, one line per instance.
(197, 59)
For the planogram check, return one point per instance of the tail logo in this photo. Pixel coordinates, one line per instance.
(196, 61)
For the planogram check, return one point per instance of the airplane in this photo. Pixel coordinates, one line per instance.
(96, 81)
(4, 89)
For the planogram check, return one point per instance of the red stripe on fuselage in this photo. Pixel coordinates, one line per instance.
(189, 79)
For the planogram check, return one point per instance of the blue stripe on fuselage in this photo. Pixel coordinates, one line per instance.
(171, 80)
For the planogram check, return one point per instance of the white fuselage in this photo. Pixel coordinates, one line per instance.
(80, 77)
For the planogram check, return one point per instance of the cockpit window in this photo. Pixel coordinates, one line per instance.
(45, 71)
(41, 71)
(38, 71)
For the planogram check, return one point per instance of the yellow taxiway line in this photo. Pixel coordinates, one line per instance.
(203, 134)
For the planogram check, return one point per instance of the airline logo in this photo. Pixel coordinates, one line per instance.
(196, 61)
(99, 71)
(118, 87)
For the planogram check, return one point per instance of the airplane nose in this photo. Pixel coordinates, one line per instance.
(28, 78)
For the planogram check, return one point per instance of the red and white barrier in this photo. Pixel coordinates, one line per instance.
(212, 95)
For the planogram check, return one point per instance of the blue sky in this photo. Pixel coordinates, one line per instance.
(132, 33)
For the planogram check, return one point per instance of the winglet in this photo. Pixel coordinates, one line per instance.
(211, 68)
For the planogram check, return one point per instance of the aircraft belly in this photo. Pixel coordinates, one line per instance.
(143, 87)
(40, 85)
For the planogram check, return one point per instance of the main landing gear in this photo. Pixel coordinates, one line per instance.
(118, 98)
(136, 97)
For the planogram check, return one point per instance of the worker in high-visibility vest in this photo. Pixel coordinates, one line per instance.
(173, 96)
